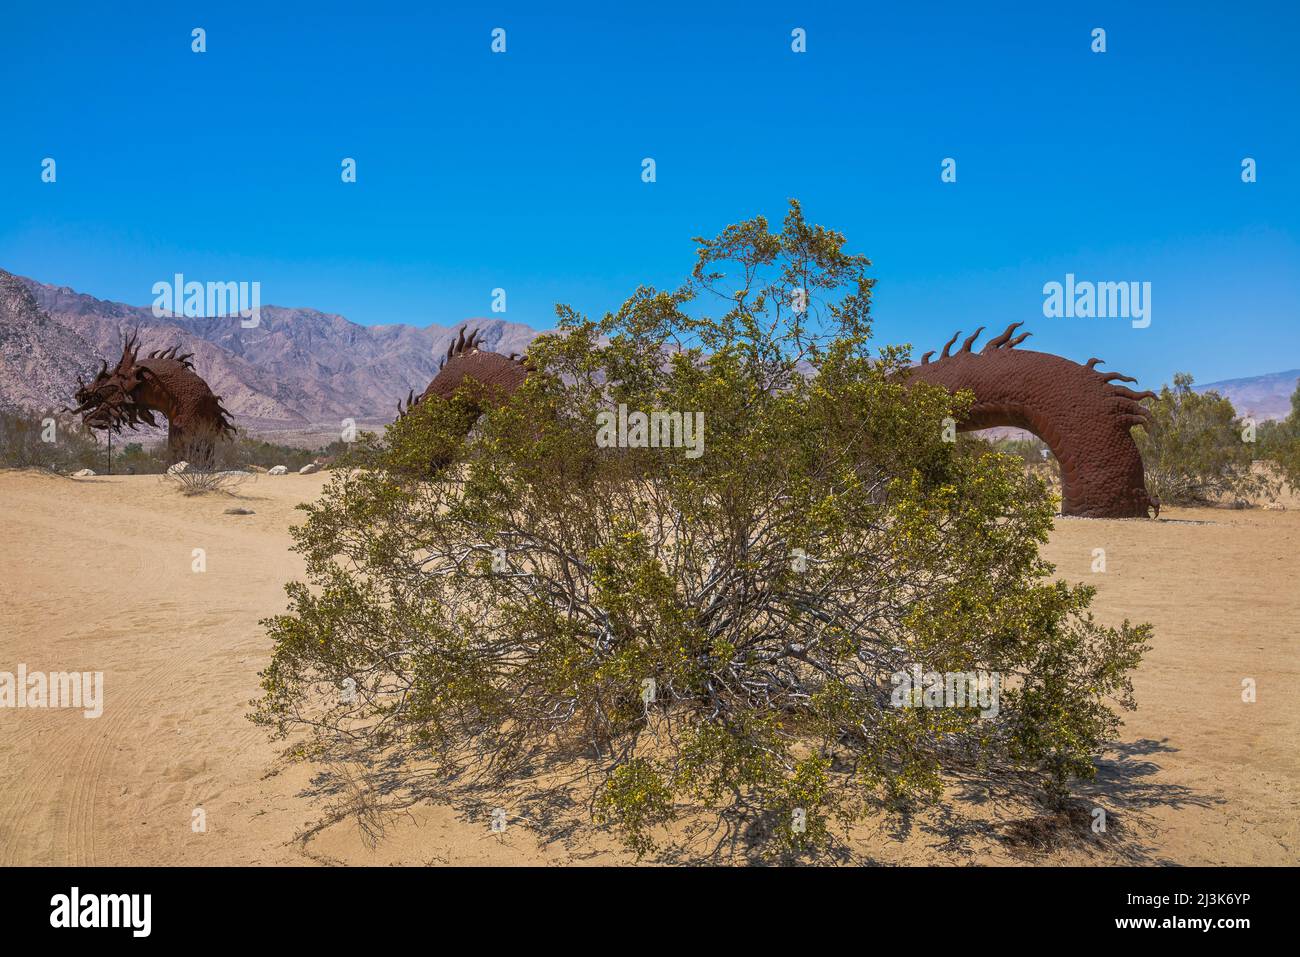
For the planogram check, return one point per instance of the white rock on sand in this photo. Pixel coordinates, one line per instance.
(178, 468)
(278, 470)
(308, 468)
(83, 473)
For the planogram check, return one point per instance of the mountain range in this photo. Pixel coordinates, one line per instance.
(299, 369)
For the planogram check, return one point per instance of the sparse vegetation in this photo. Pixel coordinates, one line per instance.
(46, 441)
(27, 440)
(718, 634)
(1031, 451)
(210, 465)
(206, 481)
(137, 459)
(247, 450)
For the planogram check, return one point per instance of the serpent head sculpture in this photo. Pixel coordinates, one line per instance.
(131, 392)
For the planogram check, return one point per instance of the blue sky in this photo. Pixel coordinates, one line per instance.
(522, 170)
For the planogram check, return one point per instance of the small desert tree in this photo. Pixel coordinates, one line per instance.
(1279, 442)
(699, 632)
(1195, 449)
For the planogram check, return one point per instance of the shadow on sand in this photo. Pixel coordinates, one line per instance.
(1105, 821)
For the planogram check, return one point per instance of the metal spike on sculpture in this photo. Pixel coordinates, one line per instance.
(1075, 409)
(163, 382)
(494, 377)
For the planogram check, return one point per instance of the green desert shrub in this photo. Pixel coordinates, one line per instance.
(245, 450)
(135, 458)
(716, 634)
(1279, 443)
(1196, 449)
(47, 440)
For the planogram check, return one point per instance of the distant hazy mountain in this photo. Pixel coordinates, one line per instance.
(1261, 397)
(298, 368)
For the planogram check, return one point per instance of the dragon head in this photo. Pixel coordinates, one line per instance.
(109, 401)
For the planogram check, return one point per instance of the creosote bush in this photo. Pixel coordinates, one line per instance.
(714, 634)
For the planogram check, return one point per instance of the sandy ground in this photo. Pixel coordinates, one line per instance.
(96, 574)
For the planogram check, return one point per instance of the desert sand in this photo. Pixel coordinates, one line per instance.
(96, 575)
